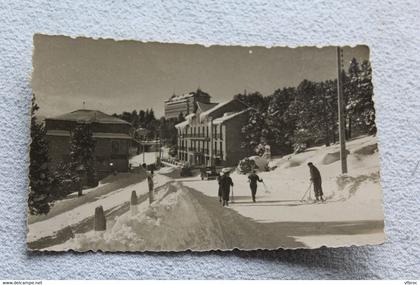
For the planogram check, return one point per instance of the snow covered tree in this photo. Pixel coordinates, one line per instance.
(258, 132)
(367, 104)
(39, 195)
(255, 100)
(82, 152)
(181, 117)
(305, 109)
(351, 84)
(313, 114)
(281, 125)
(254, 131)
(64, 180)
(358, 91)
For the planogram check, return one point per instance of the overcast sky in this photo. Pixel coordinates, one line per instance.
(115, 76)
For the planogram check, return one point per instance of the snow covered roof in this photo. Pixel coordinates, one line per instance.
(62, 133)
(182, 124)
(228, 116)
(179, 97)
(189, 116)
(188, 120)
(89, 116)
(204, 115)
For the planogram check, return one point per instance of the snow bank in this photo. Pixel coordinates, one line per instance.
(175, 221)
(149, 158)
(179, 219)
(73, 216)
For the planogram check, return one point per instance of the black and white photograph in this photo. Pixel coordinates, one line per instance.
(147, 146)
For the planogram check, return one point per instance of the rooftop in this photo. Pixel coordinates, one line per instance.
(89, 116)
(228, 116)
(179, 97)
(205, 106)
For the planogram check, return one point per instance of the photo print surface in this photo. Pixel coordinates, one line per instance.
(172, 147)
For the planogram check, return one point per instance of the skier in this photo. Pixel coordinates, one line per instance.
(252, 179)
(225, 183)
(316, 180)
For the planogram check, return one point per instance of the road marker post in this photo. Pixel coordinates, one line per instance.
(133, 203)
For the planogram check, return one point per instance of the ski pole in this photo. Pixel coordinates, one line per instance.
(266, 189)
(310, 193)
(232, 194)
(304, 194)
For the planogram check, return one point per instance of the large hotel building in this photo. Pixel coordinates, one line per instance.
(212, 134)
(184, 104)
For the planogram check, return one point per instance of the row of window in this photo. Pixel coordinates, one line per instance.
(201, 131)
(199, 146)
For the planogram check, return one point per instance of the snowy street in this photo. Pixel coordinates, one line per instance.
(186, 213)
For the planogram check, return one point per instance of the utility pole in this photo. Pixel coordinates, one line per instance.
(142, 145)
(341, 119)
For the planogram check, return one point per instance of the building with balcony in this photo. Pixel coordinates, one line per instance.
(212, 135)
(184, 104)
(111, 134)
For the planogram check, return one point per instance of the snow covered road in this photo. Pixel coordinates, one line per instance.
(187, 213)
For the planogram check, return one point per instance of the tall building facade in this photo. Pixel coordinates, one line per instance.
(184, 104)
(212, 135)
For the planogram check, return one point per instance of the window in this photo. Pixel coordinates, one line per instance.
(115, 147)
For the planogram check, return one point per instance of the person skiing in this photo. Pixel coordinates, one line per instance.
(317, 181)
(253, 178)
(225, 183)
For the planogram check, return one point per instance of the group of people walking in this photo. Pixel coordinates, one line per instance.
(225, 183)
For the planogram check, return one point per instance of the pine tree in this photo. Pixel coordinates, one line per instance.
(281, 125)
(134, 119)
(256, 131)
(352, 96)
(142, 115)
(181, 117)
(82, 152)
(306, 111)
(359, 104)
(368, 108)
(39, 195)
(255, 100)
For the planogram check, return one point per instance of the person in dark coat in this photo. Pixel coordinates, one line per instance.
(253, 178)
(151, 187)
(219, 193)
(225, 183)
(317, 181)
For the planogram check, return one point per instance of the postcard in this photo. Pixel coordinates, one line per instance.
(146, 146)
